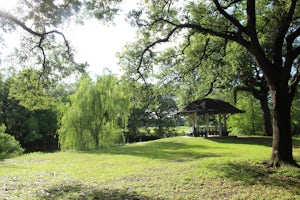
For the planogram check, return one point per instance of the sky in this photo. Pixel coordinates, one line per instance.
(95, 43)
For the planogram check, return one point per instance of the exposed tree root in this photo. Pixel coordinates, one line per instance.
(278, 164)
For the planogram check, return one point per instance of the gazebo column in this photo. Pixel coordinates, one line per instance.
(225, 120)
(195, 122)
(207, 123)
(220, 123)
(225, 123)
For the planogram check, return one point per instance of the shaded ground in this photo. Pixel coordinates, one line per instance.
(81, 192)
(266, 141)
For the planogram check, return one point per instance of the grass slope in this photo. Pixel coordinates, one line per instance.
(172, 168)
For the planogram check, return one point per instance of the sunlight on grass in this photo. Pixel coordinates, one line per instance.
(172, 168)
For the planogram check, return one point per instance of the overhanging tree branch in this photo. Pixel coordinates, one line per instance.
(188, 41)
(233, 20)
(282, 31)
(19, 23)
(166, 39)
(295, 82)
(290, 39)
(233, 36)
(197, 28)
(42, 36)
(255, 47)
(211, 88)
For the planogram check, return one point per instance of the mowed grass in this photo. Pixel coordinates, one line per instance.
(171, 168)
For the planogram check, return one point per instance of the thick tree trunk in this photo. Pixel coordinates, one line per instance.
(282, 148)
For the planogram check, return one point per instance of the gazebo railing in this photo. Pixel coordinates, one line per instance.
(211, 130)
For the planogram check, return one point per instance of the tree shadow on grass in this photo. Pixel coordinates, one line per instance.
(171, 151)
(81, 192)
(258, 174)
(263, 141)
(252, 140)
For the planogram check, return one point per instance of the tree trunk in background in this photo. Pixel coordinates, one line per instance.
(267, 123)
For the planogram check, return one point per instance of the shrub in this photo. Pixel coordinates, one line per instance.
(9, 146)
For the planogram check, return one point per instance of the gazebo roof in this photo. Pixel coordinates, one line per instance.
(209, 106)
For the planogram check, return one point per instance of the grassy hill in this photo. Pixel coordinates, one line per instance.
(172, 168)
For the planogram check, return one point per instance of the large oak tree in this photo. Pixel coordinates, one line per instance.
(251, 24)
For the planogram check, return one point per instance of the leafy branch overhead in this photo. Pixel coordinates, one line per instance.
(233, 21)
(42, 21)
(44, 49)
(40, 35)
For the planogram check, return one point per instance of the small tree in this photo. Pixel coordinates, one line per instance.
(96, 115)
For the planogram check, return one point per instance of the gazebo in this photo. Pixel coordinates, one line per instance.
(208, 107)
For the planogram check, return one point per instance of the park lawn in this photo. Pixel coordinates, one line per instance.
(171, 168)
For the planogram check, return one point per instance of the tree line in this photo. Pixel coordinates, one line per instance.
(96, 114)
(85, 115)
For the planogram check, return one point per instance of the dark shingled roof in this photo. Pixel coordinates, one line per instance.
(210, 106)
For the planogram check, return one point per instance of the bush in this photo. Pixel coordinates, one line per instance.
(9, 146)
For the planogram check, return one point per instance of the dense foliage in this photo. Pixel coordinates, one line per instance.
(250, 122)
(153, 114)
(34, 129)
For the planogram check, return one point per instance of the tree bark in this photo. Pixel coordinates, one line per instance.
(282, 148)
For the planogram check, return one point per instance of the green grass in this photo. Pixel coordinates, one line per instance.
(172, 168)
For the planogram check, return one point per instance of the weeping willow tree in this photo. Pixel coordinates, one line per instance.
(96, 116)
